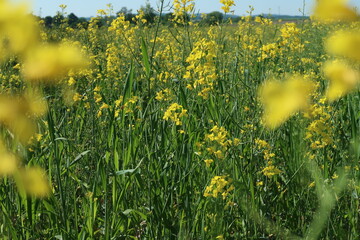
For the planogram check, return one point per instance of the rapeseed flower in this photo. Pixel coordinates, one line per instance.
(343, 79)
(17, 27)
(344, 44)
(35, 182)
(226, 5)
(48, 63)
(219, 185)
(281, 100)
(8, 163)
(334, 10)
(174, 113)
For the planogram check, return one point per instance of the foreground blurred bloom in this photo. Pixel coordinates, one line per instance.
(334, 10)
(14, 114)
(48, 63)
(35, 103)
(8, 163)
(35, 182)
(345, 44)
(343, 79)
(17, 27)
(18, 114)
(283, 99)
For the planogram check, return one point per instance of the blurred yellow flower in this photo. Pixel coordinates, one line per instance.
(35, 182)
(48, 63)
(334, 10)
(36, 104)
(18, 27)
(342, 77)
(14, 114)
(283, 99)
(344, 43)
(8, 163)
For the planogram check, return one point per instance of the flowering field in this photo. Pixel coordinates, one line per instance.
(130, 129)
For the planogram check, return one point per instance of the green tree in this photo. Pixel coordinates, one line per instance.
(73, 20)
(214, 18)
(149, 12)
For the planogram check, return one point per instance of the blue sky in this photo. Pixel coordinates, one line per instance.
(86, 8)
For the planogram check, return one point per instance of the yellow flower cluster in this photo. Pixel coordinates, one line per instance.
(128, 106)
(181, 9)
(112, 61)
(174, 113)
(218, 142)
(288, 40)
(226, 5)
(270, 170)
(269, 51)
(202, 68)
(319, 131)
(219, 185)
(290, 37)
(219, 135)
(164, 95)
(18, 28)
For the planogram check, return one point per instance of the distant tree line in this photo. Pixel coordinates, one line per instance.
(150, 15)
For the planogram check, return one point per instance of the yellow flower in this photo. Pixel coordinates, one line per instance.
(208, 162)
(14, 114)
(77, 97)
(270, 171)
(219, 185)
(35, 182)
(37, 106)
(226, 5)
(48, 63)
(343, 79)
(334, 10)
(259, 183)
(174, 113)
(345, 44)
(8, 163)
(18, 27)
(283, 99)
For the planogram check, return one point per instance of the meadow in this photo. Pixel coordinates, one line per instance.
(180, 131)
